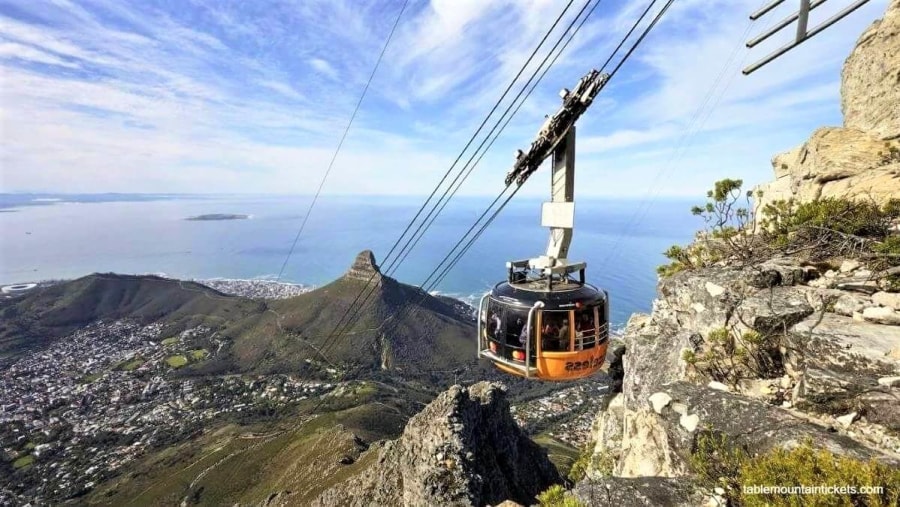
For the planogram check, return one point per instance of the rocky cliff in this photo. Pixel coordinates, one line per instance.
(462, 449)
(773, 354)
(833, 379)
(862, 158)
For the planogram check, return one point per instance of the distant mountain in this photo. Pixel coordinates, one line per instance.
(400, 327)
(48, 313)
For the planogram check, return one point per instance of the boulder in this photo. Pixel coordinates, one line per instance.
(757, 426)
(882, 315)
(835, 162)
(887, 299)
(849, 303)
(862, 158)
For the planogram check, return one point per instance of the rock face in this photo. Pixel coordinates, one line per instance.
(862, 158)
(463, 449)
(829, 368)
(870, 95)
(364, 268)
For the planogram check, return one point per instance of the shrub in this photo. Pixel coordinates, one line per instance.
(820, 229)
(832, 227)
(805, 466)
(557, 496)
(580, 466)
(728, 231)
(718, 462)
(729, 356)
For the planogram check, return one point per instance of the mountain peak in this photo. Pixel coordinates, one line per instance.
(364, 266)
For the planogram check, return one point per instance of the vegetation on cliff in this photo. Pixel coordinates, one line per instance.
(822, 230)
(720, 463)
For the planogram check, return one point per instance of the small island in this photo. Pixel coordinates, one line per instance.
(219, 216)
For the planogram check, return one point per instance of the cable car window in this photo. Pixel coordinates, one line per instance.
(586, 328)
(555, 331)
(494, 325)
(516, 321)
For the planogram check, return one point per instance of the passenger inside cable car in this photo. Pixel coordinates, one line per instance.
(555, 332)
(585, 329)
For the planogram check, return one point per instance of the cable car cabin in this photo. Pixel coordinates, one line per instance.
(559, 332)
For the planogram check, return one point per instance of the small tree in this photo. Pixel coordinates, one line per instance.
(729, 233)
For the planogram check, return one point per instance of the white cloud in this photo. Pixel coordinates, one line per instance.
(23, 52)
(228, 97)
(323, 67)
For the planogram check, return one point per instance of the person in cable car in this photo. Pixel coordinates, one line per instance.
(523, 335)
(496, 324)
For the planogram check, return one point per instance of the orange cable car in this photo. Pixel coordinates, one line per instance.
(545, 322)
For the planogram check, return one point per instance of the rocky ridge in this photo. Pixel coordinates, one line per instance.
(462, 449)
(831, 376)
(862, 158)
(836, 381)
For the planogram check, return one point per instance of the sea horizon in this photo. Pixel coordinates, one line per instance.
(621, 240)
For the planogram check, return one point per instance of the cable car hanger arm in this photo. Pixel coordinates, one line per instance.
(555, 128)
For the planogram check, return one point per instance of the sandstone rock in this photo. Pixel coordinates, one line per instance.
(659, 401)
(364, 268)
(834, 162)
(841, 361)
(870, 96)
(492, 459)
(848, 304)
(755, 424)
(853, 161)
(847, 420)
(882, 315)
(714, 290)
(849, 265)
(888, 299)
(718, 386)
(889, 381)
(646, 448)
(689, 422)
(606, 433)
(775, 310)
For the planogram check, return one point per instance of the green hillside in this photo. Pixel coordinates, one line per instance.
(400, 327)
(55, 311)
(304, 455)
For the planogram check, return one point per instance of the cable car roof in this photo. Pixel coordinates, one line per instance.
(562, 297)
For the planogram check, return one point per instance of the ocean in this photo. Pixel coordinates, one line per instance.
(67, 236)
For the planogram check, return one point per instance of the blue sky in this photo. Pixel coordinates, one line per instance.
(233, 96)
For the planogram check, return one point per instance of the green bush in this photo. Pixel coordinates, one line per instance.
(728, 231)
(557, 496)
(863, 219)
(819, 229)
(580, 466)
(717, 462)
(805, 466)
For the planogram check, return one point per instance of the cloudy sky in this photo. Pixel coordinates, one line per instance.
(232, 96)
